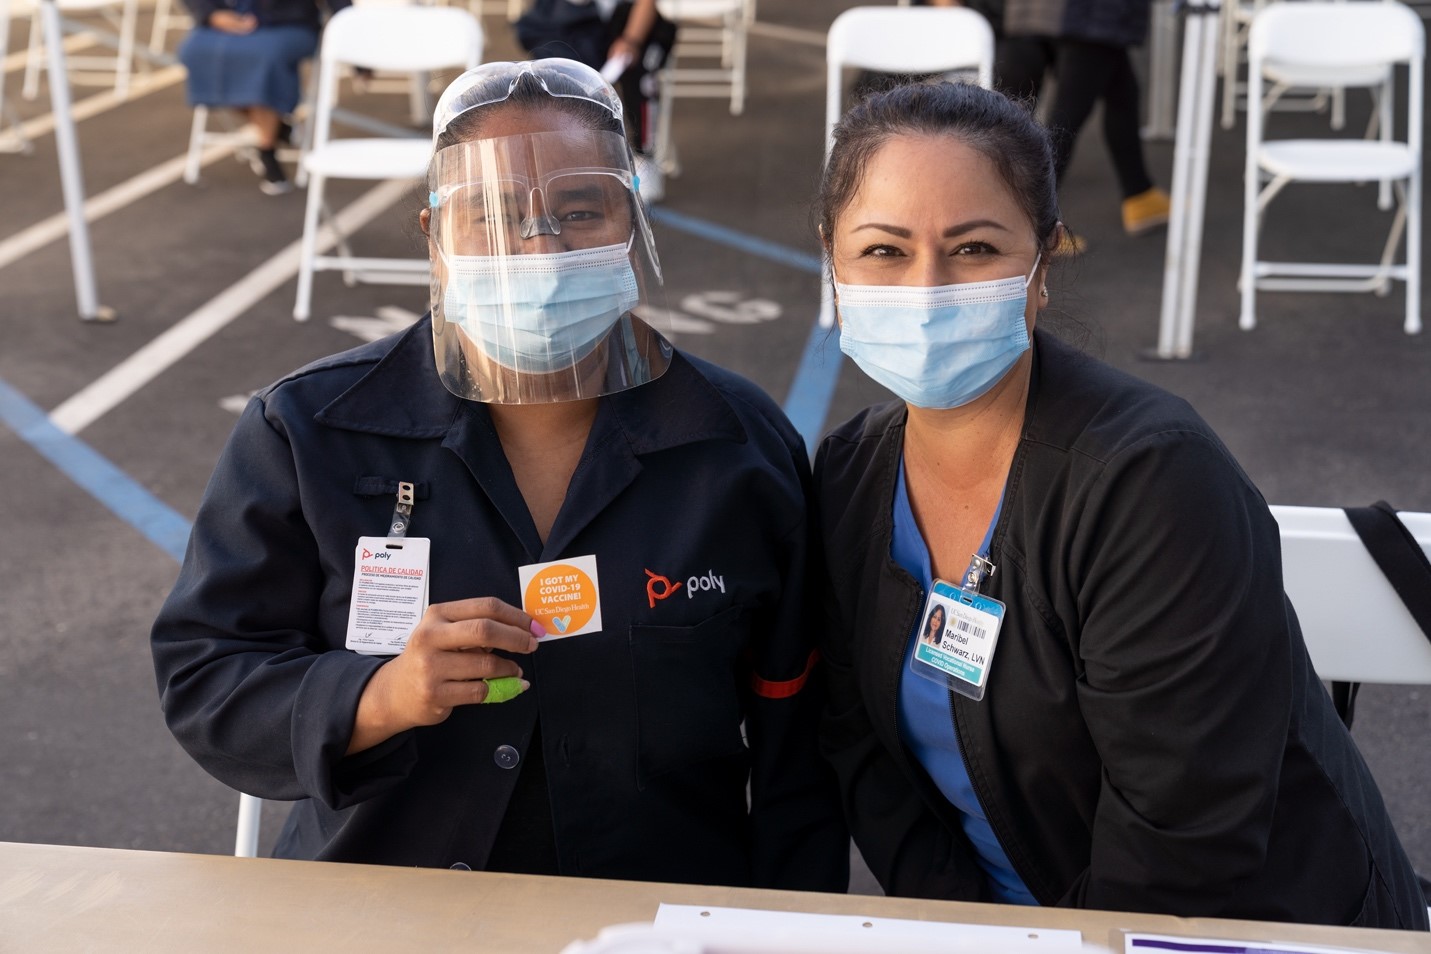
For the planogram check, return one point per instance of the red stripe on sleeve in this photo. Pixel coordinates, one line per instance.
(784, 689)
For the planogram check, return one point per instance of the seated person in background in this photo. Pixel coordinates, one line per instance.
(602, 32)
(245, 55)
(1122, 714)
(658, 503)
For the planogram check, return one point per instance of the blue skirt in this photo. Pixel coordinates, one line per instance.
(251, 69)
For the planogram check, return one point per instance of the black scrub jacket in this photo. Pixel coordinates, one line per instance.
(650, 729)
(1153, 736)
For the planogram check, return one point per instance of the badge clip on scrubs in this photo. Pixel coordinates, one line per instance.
(961, 654)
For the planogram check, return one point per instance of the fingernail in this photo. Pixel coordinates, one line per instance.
(538, 630)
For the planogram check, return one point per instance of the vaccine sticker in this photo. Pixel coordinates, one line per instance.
(389, 593)
(562, 596)
(957, 636)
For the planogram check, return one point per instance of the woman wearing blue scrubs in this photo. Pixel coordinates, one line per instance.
(1122, 714)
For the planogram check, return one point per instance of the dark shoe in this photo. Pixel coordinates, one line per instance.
(275, 180)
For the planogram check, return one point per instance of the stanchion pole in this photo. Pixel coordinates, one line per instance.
(1162, 60)
(1206, 80)
(71, 178)
(1189, 187)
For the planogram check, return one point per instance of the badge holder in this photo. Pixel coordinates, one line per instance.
(958, 632)
(389, 584)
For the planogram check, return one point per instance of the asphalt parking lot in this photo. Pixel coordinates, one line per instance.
(110, 430)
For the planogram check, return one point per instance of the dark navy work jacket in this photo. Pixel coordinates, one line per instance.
(650, 729)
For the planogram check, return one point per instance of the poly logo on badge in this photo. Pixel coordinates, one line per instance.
(562, 596)
(667, 588)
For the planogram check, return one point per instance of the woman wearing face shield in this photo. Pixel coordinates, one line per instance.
(564, 475)
(1122, 714)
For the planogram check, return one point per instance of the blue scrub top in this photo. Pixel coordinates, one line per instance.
(926, 723)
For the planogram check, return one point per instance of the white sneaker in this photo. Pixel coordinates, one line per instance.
(651, 180)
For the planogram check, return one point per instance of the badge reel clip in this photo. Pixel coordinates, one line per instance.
(958, 632)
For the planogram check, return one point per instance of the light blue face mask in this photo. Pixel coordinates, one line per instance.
(938, 347)
(542, 313)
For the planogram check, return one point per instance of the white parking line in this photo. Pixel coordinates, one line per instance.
(93, 105)
(42, 233)
(78, 41)
(111, 389)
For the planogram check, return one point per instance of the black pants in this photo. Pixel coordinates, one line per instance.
(556, 28)
(1086, 73)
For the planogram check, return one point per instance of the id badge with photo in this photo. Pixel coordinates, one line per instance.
(958, 632)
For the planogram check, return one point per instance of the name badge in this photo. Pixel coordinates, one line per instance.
(389, 593)
(958, 633)
(562, 595)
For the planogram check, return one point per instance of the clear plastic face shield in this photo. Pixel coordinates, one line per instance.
(542, 257)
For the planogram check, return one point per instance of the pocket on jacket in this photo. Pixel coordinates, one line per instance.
(688, 691)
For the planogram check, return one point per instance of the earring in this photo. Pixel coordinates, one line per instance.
(1043, 292)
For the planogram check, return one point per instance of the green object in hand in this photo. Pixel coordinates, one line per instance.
(500, 690)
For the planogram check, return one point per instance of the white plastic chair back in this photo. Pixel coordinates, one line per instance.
(900, 40)
(393, 39)
(1356, 627)
(1334, 36)
(904, 40)
(1335, 40)
(399, 39)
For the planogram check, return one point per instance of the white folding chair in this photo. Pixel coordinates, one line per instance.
(1335, 38)
(241, 137)
(1355, 626)
(900, 40)
(1235, 18)
(412, 39)
(714, 33)
(166, 18)
(100, 69)
(250, 814)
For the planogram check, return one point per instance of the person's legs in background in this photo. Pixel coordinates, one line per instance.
(1020, 64)
(1145, 206)
(1086, 73)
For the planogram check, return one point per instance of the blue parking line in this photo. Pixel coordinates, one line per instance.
(813, 387)
(93, 473)
(763, 248)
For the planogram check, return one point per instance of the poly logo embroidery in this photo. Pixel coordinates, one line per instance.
(667, 588)
(696, 584)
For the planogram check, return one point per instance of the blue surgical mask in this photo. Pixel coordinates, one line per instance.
(938, 347)
(542, 313)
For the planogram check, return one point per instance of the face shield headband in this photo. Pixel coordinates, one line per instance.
(493, 83)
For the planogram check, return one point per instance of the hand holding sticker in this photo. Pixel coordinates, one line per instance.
(449, 662)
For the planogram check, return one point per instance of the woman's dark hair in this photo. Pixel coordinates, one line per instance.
(527, 93)
(930, 618)
(989, 122)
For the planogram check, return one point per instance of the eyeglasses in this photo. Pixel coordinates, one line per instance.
(586, 208)
(493, 83)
